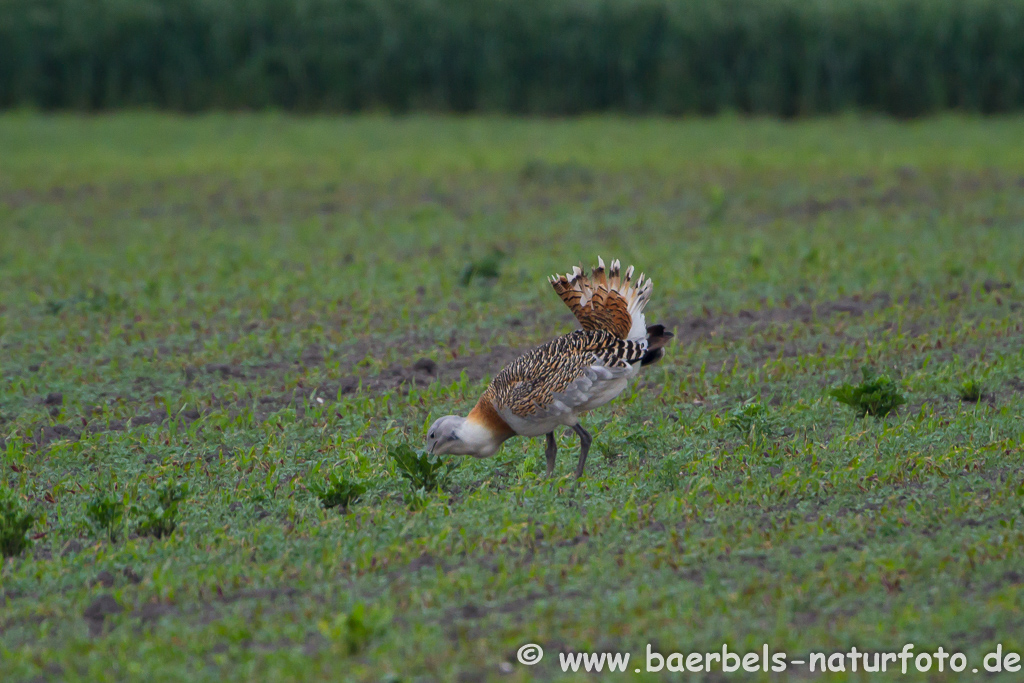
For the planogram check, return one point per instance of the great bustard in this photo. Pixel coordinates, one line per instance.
(552, 385)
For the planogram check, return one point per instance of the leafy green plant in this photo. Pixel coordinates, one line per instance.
(94, 299)
(337, 490)
(15, 523)
(876, 395)
(352, 631)
(160, 512)
(530, 465)
(718, 202)
(416, 499)
(971, 390)
(488, 267)
(610, 449)
(753, 420)
(105, 512)
(423, 470)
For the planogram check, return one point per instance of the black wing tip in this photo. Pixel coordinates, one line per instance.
(657, 338)
(652, 356)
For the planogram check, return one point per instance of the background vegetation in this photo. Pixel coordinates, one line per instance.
(217, 333)
(779, 57)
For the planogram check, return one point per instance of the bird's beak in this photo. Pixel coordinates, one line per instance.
(432, 447)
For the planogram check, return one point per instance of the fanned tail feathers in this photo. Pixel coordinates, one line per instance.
(607, 299)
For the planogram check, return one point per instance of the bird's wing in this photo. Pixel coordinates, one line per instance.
(563, 374)
(606, 301)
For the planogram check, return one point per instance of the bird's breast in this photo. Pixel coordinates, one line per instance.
(485, 414)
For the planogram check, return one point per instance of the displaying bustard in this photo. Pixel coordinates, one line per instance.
(552, 385)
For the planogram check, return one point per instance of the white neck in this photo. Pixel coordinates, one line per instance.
(478, 439)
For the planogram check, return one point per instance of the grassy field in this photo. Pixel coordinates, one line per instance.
(244, 306)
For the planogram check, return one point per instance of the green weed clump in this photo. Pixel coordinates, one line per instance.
(352, 631)
(487, 268)
(15, 523)
(971, 390)
(93, 300)
(337, 490)
(159, 514)
(754, 421)
(105, 512)
(416, 499)
(877, 395)
(423, 470)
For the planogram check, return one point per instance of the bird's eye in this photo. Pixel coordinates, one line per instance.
(430, 435)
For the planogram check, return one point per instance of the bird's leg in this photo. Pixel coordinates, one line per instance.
(585, 440)
(550, 452)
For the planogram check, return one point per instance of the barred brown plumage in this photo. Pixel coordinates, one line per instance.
(553, 384)
(531, 381)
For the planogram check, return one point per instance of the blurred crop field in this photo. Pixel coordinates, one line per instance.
(205, 321)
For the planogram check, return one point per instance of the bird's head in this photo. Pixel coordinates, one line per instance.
(455, 435)
(443, 435)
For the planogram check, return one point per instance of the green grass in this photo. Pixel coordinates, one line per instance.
(247, 306)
